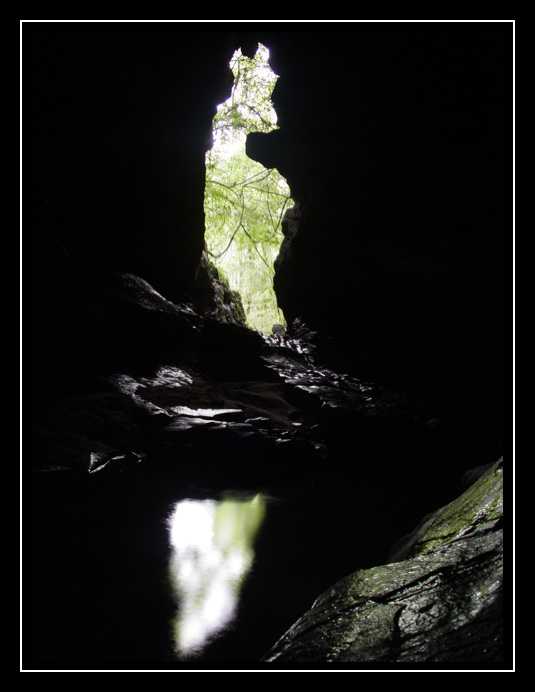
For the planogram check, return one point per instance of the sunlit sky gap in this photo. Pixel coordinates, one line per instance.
(244, 202)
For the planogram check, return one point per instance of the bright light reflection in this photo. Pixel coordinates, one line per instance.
(212, 553)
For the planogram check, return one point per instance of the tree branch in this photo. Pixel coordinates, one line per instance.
(256, 249)
(232, 236)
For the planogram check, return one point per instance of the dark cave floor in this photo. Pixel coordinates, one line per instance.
(347, 467)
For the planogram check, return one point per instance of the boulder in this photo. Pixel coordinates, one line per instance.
(440, 600)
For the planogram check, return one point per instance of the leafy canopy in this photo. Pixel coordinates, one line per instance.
(244, 202)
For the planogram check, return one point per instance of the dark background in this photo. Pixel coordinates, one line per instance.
(395, 140)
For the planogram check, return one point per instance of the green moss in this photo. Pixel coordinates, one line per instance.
(481, 503)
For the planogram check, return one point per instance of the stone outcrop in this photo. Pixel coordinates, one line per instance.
(440, 599)
(213, 297)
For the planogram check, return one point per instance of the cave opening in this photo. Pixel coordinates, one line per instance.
(245, 202)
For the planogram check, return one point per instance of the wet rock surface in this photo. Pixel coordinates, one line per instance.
(440, 601)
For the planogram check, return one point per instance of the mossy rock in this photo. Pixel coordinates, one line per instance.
(480, 504)
(439, 601)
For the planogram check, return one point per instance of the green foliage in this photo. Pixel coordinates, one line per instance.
(244, 202)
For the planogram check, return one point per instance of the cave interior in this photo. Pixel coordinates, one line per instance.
(389, 383)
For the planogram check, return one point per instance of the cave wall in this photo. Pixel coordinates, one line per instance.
(121, 120)
(392, 141)
(391, 138)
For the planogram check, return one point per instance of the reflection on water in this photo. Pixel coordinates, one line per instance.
(212, 545)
